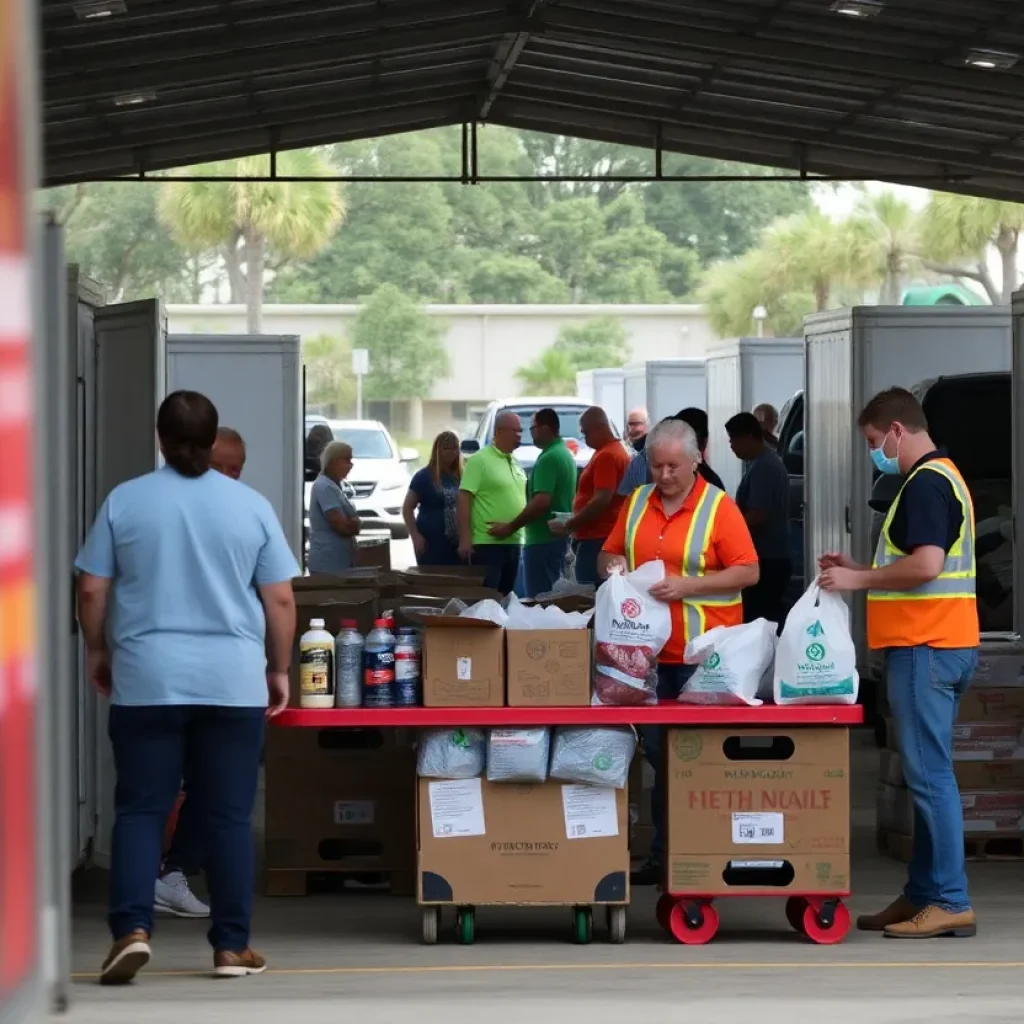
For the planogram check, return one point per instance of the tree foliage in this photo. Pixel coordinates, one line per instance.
(600, 341)
(330, 386)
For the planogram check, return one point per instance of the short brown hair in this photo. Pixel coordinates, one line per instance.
(893, 405)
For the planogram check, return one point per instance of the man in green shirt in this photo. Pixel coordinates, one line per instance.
(551, 490)
(493, 491)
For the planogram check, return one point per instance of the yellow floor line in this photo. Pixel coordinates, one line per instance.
(688, 966)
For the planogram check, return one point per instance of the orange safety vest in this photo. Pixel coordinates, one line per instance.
(942, 612)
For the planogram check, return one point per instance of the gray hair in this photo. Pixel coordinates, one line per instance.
(332, 451)
(672, 431)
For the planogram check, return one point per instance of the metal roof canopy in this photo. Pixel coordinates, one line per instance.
(137, 86)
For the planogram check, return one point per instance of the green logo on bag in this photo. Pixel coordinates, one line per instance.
(815, 652)
(816, 629)
(714, 661)
(602, 763)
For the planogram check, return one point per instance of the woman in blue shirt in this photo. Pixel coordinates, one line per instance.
(430, 506)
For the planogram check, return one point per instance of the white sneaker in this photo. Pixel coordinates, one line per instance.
(173, 896)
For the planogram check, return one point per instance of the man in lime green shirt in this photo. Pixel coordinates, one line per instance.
(551, 490)
(493, 492)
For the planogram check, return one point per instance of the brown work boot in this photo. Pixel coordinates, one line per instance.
(901, 909)
(126, 958)
(237, 965)
(933, 922)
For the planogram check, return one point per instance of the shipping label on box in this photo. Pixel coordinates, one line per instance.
(548, 667)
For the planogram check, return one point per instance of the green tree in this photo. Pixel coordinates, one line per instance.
(255, 226)
(884, 239)
(330, 386)
(406, 351)
(600, 341)
(551, 373)
(498, 277)
(958, 232)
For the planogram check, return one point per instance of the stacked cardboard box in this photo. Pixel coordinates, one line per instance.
(988, 762)
(641, 824)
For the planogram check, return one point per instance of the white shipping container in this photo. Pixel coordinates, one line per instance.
(605, 388)
(664, 386)
(851, 355)
(739, 376)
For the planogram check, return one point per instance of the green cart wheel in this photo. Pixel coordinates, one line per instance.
(465, 925)
(582, 925)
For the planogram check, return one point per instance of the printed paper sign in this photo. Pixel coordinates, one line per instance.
(464, 668)
(757, 828)
(457, 808)
(353, 812)
(590, 812)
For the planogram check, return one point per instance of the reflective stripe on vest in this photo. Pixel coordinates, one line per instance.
(958, 576)
(698, 537)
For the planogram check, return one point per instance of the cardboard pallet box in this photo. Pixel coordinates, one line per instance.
(758, 810)
(970, 775)
(548, 667)
(986, 812)
(463, 662)
(483, 843)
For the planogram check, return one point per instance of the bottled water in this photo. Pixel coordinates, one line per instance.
(348, 662)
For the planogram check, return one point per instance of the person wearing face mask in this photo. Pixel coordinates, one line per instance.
(698, 531)
(922, 612)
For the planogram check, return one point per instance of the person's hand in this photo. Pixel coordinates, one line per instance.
(617, 563)
(277, 693)
(97, 670)
(500, 531)
(840, 578)
(674, 588)
(419, 543)
(836, 560)
(466, 550)
(558, 527)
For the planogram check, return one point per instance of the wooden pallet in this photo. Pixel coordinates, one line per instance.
(299, 882)
(1000, 847)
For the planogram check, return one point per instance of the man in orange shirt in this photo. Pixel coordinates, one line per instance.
(698, 531)
(597, 501)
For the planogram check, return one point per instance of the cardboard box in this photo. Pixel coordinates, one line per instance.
(999, 664)
(988, 741)
(374, 550)
(714, 874)
(983, 704)
(463, 662)
(890, 768)
(515, 845)
(340, 800)
(548, 667)
(974, 775)
(985, 812)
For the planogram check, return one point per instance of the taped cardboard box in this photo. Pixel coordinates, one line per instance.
(970, 775)
(995, 703)
(999, 664)
(988, 741)
(463, 662)
(758, 809)
(985, 812)
(548, 667)
(484, 843)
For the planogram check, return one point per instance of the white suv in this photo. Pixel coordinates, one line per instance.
(379, 479)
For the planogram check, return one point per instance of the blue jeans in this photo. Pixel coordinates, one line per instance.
(501, 562)
(586, 561)
(217, 751)
(925, 685)
(543, 565)
(671, 679)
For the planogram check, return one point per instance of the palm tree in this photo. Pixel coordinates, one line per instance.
(883, 235)
(255, 224)
(957, 233)
(551, 373)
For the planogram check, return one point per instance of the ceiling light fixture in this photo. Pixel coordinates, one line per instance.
(859, 8)
(134, 99)
(92, 10)
(991, 60)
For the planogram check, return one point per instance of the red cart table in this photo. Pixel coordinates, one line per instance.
(689, 916)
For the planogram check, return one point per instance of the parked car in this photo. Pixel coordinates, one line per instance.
(569, 412)
(380, 473)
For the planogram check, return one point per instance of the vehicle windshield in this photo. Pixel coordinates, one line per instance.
(568, 415)
(367, 443)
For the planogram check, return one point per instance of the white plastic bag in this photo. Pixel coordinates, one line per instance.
(599, 757)
(518, 755)
(531, 616)
(451, 753)
(488, 610)
(630, 629)
(730, 663)
(816, 662)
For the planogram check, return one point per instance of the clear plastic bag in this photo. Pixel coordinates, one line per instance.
(518, 755)
(600, 757)
(451, 753)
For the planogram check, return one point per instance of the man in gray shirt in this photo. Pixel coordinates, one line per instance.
(333, 521)
(763, 498)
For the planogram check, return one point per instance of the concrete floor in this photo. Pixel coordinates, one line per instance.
(359, 955)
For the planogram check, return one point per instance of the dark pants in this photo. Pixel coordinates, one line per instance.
(671, 679)
(766, 599)
(502, 564)
(586, 561)
(185, 852)
(217, 751)
(543, 565)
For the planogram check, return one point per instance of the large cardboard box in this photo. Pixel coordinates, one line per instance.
(758, 810)
(970, 775)
(548, 667)
(988, 812)
(340, 800)
(992, 740)
(999, 664)
(985, 704)
(463, 662)
(484, 843)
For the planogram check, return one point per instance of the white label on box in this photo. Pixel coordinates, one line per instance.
(757, 828)
(353, 812)
(464, 668)
(590, 812)
(457, 808)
